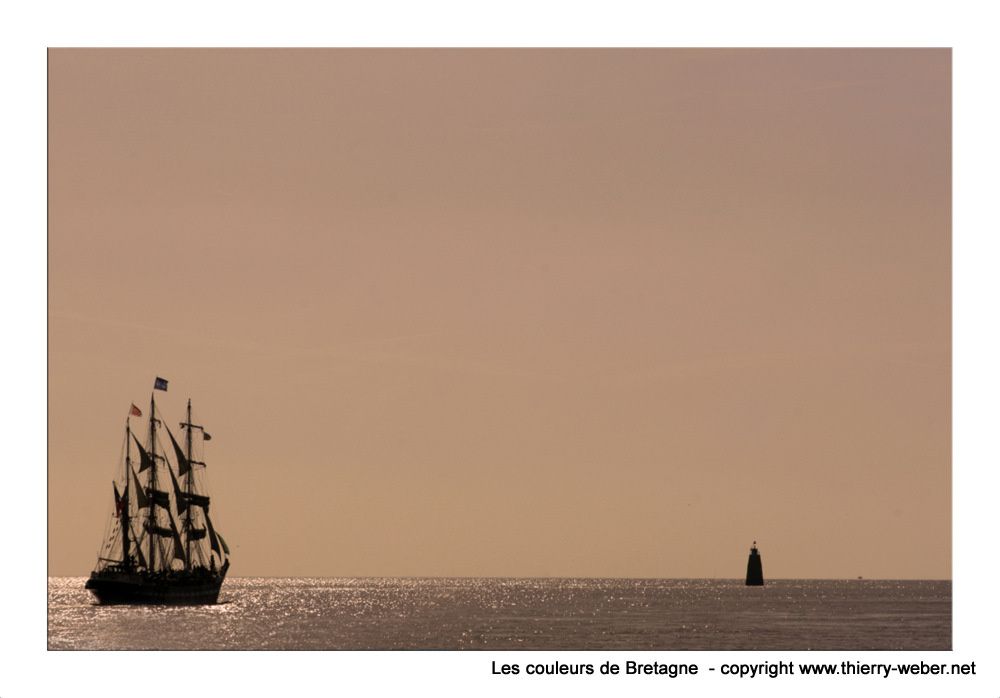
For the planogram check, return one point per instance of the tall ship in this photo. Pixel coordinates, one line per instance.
(161, 546)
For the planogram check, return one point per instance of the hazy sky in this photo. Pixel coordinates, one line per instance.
(522, 312)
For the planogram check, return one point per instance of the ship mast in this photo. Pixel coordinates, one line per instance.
(152, 482)
(190, 472)
(125, 517)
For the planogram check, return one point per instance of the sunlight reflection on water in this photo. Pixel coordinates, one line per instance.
(473, 613)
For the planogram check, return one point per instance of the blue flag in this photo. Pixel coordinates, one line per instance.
(160, 384)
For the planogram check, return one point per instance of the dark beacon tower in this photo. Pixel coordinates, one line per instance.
(755, 571)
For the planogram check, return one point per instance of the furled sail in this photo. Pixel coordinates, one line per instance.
(160, 498)
(183, 464)
(160, 530)
(184, 499)
(196, 534)
(199, 500)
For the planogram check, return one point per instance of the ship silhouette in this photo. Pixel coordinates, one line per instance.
(162, 547)
(755, 571)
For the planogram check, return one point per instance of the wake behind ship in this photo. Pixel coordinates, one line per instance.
(161, 546)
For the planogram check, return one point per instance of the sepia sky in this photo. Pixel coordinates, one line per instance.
(512, 312)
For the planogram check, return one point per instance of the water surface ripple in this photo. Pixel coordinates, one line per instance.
(502, 614)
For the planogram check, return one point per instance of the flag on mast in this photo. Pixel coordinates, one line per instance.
(160, 384)
(135, 411)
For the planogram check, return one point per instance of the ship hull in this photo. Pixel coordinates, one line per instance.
(141, 589)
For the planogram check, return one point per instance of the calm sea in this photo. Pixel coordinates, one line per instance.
(504, 614)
